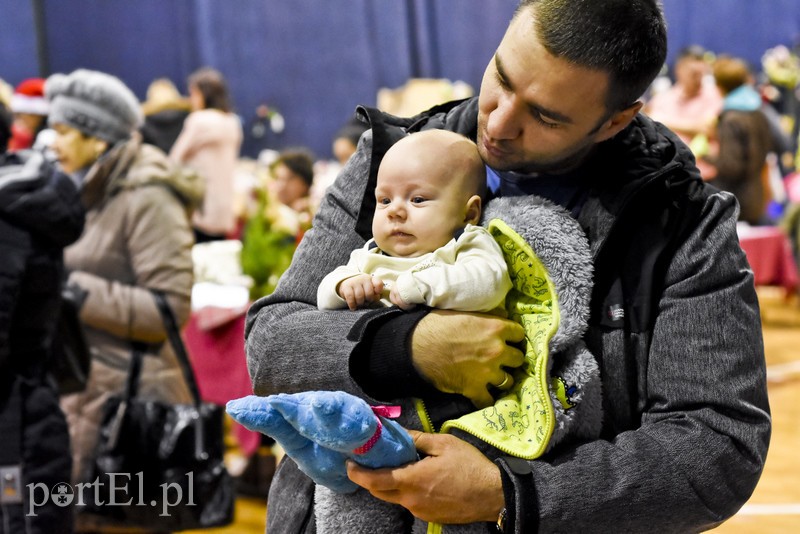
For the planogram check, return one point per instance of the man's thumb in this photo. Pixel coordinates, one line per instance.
(423, 441)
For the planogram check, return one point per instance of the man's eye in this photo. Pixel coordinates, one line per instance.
(541, 120)
(501, 81)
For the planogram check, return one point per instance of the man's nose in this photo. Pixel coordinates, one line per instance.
(504, 121)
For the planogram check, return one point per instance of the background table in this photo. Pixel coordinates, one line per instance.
(214, 338)
(769, 253)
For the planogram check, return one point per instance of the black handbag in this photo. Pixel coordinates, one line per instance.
(71, 358)
(159, 466)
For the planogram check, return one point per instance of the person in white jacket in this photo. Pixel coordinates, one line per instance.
(426, 247)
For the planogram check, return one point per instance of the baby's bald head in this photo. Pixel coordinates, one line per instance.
(429, 186)
(443, 157)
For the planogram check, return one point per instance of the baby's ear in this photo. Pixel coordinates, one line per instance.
(473, 212)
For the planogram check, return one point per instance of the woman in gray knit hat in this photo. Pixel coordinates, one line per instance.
(137, 238)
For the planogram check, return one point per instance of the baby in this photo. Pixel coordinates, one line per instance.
(426, 248)
(531, 262)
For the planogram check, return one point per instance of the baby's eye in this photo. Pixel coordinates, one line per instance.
(384, 201)
(418, 200)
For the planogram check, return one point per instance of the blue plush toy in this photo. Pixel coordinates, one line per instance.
(321, 429)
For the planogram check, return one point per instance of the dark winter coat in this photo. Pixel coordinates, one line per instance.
(162, 129)
(675, 328)
(40, 213)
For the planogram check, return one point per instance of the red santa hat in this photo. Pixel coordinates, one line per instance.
(29, 97)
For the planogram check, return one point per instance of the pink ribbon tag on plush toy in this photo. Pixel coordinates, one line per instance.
(390, 412)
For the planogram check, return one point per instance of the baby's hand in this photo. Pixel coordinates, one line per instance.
(360, 290)
(397, 300)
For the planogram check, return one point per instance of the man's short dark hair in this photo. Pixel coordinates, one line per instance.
(625, 38)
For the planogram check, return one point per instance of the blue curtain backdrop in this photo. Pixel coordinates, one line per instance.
(18, 58)
(316, 60)
(743, 28)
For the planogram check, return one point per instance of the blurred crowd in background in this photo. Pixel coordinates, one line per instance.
(249, 212)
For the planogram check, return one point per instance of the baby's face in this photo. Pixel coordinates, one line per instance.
(419, 205)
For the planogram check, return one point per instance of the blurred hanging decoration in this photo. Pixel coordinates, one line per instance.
(782, 67)
(267, 118)
(262, 130)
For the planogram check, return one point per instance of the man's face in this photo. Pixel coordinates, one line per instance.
(538, 113)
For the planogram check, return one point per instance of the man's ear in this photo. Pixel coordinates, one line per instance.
(618, 121)
(473, 212)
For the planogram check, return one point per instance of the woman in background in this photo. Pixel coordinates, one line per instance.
(165, 111)
(137, 238)
(744, 139)
(209, 143)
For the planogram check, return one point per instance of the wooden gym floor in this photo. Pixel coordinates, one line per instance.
(774, 507)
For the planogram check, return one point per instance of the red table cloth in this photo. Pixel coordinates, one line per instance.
(770, 255)
(214, 338)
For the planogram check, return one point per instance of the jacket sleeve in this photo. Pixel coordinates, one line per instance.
(476, 281)
(703, 428)
(291, 345)
(15, 246)
(159, 259)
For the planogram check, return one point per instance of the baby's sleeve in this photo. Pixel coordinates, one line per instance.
(327, 296)
(476, 279)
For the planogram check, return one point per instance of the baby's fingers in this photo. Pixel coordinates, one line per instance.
(354, 295)
(377, 285)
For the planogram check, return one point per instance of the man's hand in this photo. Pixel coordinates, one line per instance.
(464, 353)
(455, 483)
(360, 290)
